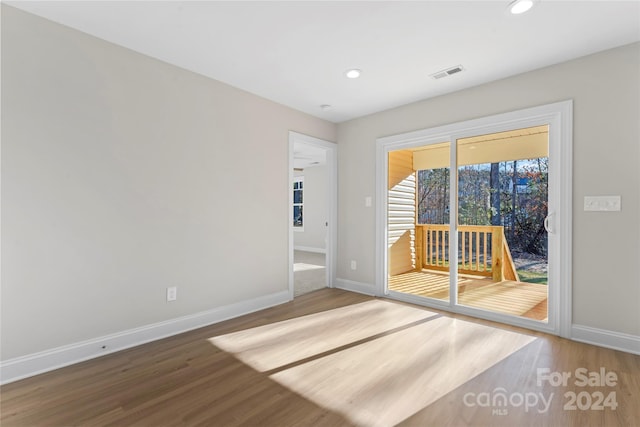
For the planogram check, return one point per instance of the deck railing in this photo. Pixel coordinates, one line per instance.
(482, 250)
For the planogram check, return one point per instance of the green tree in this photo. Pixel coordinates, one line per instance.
(494, 188)
(433, 196)
(515, 199)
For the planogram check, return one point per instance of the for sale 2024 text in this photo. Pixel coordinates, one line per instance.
(582, 377)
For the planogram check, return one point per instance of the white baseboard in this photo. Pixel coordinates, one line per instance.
(310, 249)
(604, 338)
(353, 286)
(48, 360)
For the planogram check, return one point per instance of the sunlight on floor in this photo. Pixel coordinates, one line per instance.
(301, 266)
(377, 362)
(276, 345)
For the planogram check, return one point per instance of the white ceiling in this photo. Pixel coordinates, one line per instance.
(296, 53)
(306, 156)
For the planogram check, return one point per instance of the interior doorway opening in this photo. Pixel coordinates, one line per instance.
(310, 210)
(312, 213)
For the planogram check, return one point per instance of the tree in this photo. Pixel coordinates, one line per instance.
(433, 196)
(494, 185)
(532, 236)
(514, 198)
(512, 194)
(473, 195)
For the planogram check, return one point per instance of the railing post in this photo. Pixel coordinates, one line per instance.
(419, 247)
(497, 250)
(510, 272)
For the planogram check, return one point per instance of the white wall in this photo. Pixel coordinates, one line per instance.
(315, 195)
(605, 88)
(122, 175)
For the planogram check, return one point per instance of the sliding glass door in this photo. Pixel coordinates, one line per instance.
(477, 217)
(498, 261)
(418, 221)
(502, 205)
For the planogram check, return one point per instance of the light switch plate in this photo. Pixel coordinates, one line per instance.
(602, 203)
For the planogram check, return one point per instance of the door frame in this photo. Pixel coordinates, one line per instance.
(559, 117)
(331, 150)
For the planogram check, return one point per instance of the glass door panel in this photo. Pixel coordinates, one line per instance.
(502, 206)
(418, 221)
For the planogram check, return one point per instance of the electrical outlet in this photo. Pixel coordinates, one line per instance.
(172, 293)
(353, 265)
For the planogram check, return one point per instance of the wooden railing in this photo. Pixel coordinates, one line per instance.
(482, 250)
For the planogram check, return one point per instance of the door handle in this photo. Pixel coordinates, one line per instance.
(547, 226)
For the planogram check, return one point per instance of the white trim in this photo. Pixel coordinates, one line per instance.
(603, 338)
(310, 249)
(560, 117)
(332, 204)
(353, 286)
(48, 360)
(565, 222)
(453, 225)
(290, 226)
(382, 232)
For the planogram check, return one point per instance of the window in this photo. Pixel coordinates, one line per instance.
(298, 222)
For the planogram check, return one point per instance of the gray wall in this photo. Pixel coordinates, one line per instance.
(122, 175)
(605, 88)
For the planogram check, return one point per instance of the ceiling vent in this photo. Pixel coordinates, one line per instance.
(447, 72)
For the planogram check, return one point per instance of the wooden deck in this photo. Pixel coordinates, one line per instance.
(516, 298)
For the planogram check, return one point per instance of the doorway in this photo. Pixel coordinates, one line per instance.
(312, 213)
(474, 217)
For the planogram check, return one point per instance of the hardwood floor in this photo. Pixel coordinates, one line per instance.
(334, 358)
(309, 272)
(516, 298)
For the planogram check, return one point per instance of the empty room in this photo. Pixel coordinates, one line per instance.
(301, 213)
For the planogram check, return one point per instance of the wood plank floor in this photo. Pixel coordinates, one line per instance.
(516, 298)
(335, 358)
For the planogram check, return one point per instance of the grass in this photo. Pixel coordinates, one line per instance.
(525, 275)
(532, 277)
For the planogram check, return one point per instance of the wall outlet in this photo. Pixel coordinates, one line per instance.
(172, 293)
(353, 265)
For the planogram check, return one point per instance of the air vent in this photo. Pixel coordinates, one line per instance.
(447, 72)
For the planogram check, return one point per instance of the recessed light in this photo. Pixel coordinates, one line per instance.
(520, 6)
(354, 73)
(325, 107)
